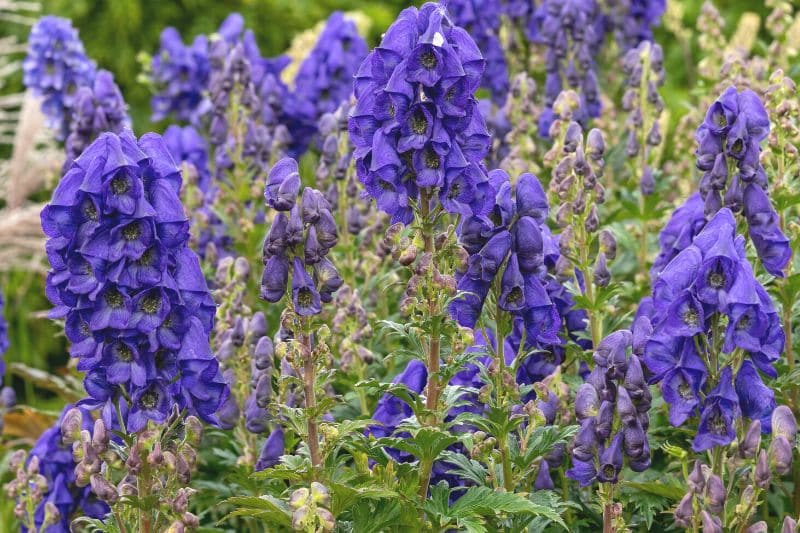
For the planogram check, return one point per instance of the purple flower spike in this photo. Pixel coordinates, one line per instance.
(283, 185)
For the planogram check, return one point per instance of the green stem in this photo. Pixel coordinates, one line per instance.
(309, 385)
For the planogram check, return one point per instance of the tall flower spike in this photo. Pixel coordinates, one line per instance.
(632, 21)
(729, 146)
(324, 78)
(709, 280)
(138, 311)
(416, 122)
(614, 398)
(54, 68)
(297, 246)
(572, 32)
(179, 73)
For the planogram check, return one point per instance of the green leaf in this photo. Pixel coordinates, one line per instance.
(662, 487)
(267, 508)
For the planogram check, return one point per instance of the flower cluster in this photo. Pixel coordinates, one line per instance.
(416, 124)
(137, 308)
(298, 241)
(707, 491)
(572, 31)
(54, 68)
(324, 79)
(612, 408)
(155, 465)
(728, 152)
(633, 21)
(179, 74)
(706, 283)
(97, 108)
(508, 245)
(481, 19)
(644, 71)
(50, 482)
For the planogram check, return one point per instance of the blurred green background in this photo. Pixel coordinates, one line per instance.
(116, 31)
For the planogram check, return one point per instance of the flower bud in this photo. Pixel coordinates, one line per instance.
(697, 481)
(71, 425)
(789, 525)
(780, 451)
(602, 276)
(752, 440)
(715, 494)
(104, 489)
(784, 423)
(99, 437)
(299, 498)
(326, 519)
(684, 511)
(51, 515)
(711, 524)
(758, 527)
(762, 474)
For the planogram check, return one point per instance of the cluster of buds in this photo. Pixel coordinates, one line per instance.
(612, 408)
(519, 143)
(29, 488)
(427, 283)
(351, 325)
(309, 508)
(705, 501)
(644, 70)
(784, 138)
(711, 40)
(157, 463)
(576, 184)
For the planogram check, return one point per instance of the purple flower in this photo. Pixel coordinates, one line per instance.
(283, 185)
(572, 31)
(4, 342)
(137, 307)
(179, 74)
(416, 122)
(55, 68)
(272, 450)
(324, 78)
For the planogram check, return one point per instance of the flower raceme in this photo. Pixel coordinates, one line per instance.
(416, 123)
(708, 282)
(137, 309)
(324, 79)
(615, 395)
(297, 242)
(729, 147)
(54, 68)
(509, 244)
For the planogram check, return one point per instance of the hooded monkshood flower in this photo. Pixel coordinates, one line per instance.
(416, 122)
(138, 311)
(58, 467)
(55, 67)
(96, 109)
(729, 139)
(481, 19)
(708, 281)
(179, 74)
(324, 79)
(572, 31)
(298, 243)
(509, 242)
(615, 395)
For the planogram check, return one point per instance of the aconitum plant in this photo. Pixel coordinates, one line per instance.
(416, 125)
(728, 152)
(55, 67)
(325, 77)
(136, 306)
(572, 32)
(715, 330)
